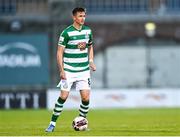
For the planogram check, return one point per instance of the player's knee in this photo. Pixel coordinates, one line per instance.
(64, 96)
(85, 98)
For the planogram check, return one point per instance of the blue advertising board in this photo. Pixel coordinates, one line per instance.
(24, 60)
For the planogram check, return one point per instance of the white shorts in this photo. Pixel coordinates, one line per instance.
(81, 80)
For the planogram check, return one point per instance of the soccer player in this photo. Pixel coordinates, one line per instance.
(74, 59)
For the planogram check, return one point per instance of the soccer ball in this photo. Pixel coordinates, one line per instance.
(80, 123)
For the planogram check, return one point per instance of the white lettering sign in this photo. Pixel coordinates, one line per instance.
(20, 60)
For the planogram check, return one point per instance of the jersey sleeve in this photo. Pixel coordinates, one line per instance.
(90, 39)
(63, 39)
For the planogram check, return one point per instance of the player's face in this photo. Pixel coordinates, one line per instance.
(79, 18)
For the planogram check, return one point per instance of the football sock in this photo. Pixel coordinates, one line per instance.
(84, 108)
(57, 110)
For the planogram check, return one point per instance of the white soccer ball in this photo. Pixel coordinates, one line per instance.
(80, 123)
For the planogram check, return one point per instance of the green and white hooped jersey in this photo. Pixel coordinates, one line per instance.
(75, 59)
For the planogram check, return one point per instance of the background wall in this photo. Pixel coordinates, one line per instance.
(128, 54)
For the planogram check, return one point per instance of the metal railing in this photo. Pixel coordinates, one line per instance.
(23, 7)
(132, 6)
(7, 7)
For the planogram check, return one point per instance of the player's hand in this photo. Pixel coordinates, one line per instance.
(92, 66)
(62, 75)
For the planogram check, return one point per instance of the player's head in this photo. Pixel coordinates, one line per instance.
(79, 15)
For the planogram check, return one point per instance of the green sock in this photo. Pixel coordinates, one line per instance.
(84, 108)
(57, 109)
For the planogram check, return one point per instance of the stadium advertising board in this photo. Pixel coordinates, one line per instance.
(121, 98)
(23, 99)
(24, 60)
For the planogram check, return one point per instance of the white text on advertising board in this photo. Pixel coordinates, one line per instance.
(28, 57)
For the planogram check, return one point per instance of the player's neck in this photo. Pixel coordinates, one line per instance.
(77, 26)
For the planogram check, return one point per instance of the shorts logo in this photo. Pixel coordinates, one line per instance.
(64, 84)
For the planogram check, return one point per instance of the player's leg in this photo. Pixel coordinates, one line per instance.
(84, 106)
(84, 87)
(59, 106)
(57, 110)
(65, 88)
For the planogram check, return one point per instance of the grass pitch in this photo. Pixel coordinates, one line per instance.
(114, 122)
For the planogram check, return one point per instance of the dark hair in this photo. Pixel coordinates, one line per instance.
(78, 9)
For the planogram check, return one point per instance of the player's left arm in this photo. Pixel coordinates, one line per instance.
(91, 58)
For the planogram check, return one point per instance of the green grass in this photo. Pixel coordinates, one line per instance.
(114, 122)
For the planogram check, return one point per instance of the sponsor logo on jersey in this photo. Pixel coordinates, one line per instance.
(82, 45)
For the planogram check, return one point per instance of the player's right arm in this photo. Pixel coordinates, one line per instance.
(60, 53)
(63, 39)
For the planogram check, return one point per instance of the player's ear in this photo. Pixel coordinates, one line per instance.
(73, 17)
